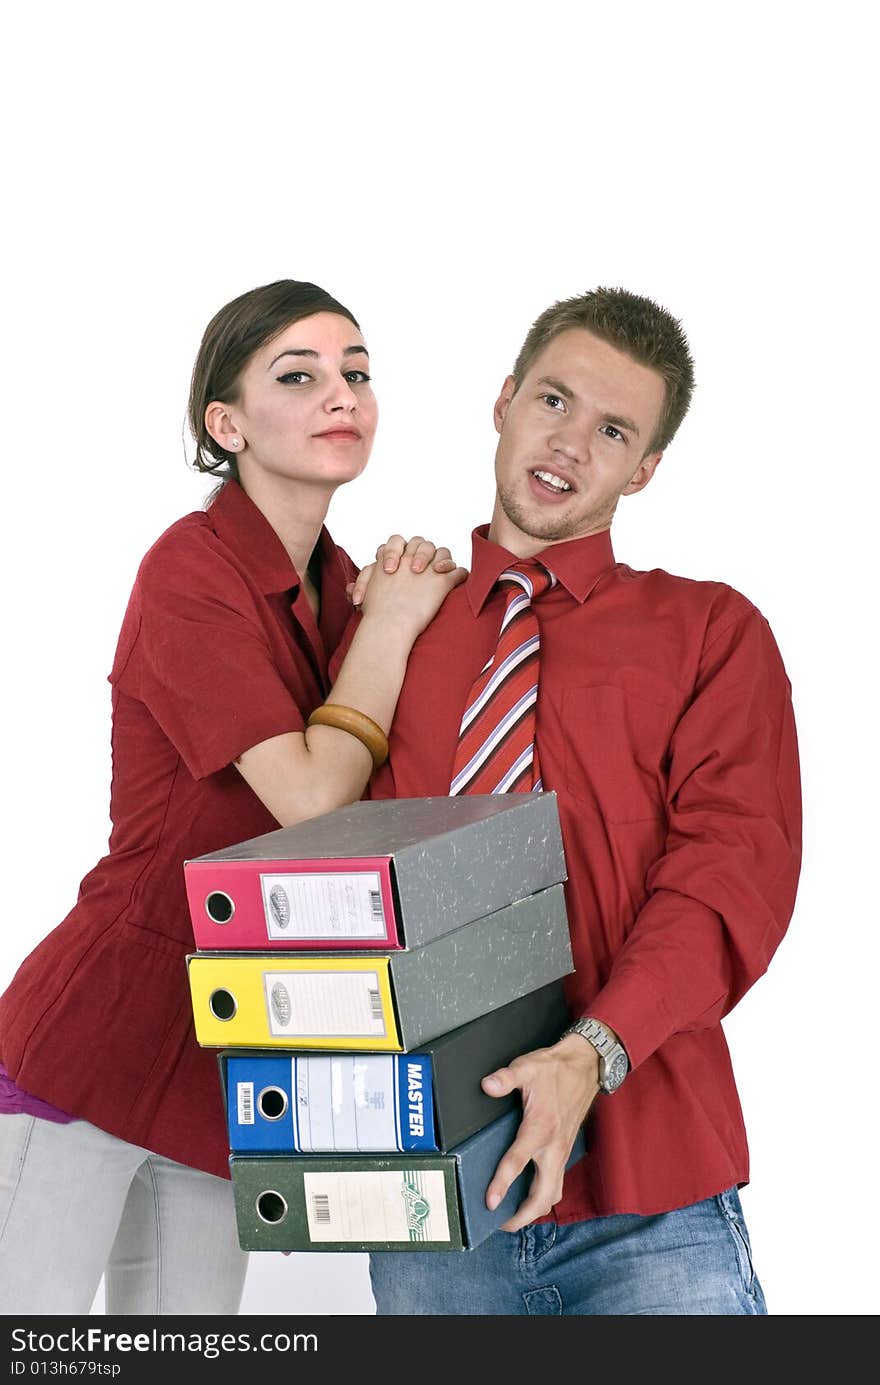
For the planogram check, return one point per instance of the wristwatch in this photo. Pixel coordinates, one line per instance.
(613, 1062)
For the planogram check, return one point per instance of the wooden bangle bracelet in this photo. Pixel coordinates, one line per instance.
(357, 724)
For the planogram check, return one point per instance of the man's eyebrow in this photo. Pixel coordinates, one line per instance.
(626, 423)
(307, 351)
(557, 386)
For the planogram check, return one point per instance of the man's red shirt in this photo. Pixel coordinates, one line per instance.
(665, 726)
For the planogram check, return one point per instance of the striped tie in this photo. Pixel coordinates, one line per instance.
(496, 750)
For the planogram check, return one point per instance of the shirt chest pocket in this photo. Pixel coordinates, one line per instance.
(616, 751)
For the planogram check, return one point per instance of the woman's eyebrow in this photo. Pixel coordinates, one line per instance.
(307, 351)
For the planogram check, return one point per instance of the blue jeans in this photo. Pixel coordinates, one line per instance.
(77, 1203)
(695, 1260)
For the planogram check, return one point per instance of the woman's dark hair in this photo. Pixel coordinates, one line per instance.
(230, 340)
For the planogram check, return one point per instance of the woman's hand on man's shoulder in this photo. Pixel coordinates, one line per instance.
(415, 555)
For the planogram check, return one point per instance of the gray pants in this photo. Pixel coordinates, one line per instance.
(77, 1203)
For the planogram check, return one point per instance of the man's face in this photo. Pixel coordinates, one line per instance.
(573, 440)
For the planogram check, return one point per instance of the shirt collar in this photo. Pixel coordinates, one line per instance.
(244, 528)
(577, 564)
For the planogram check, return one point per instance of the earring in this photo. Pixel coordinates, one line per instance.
(233, 442)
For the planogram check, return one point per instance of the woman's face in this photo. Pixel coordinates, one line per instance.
(306, 409)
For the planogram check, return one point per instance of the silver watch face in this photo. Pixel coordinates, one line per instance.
(615, 1072)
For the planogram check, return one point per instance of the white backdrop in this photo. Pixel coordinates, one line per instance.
(448, 172)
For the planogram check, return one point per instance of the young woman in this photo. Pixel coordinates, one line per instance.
(113, 1142)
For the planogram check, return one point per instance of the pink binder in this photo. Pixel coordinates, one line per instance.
(292, 904)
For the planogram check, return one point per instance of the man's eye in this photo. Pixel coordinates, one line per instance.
(357, 377)
(553, 400)
(613, 432)
(294, 377)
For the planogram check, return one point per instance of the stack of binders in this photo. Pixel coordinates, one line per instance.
(360, 973)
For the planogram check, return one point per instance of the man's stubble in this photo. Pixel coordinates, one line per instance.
(552, 530)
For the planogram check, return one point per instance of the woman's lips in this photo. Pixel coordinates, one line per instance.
(340, 434)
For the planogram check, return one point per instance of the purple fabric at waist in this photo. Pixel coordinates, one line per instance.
(15, 1102)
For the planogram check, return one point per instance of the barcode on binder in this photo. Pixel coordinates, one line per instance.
(375, 1005)
(321, 1208)
(245, 1098)
(376, 904)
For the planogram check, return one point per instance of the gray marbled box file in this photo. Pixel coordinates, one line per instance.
(452, 860)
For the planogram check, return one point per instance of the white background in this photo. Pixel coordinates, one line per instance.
(448, 172)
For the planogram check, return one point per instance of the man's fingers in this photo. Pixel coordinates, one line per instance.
(544, 1191)
(499, 1083)
(510, 1166)
(528, 1211)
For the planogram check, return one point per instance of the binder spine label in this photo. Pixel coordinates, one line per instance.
(345, 1103)
(324, 1004)
(324, 906)
(377, 1205)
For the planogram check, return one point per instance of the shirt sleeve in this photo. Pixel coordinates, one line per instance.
(194, 650)
(721, 895)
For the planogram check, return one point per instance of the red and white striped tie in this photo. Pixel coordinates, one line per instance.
(496, 743)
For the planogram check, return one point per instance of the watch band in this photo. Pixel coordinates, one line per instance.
(613, 1060)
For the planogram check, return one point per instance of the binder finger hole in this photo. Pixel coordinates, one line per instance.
(222, 1005)
(272, 1103)
(219, 907)
(271, 1207)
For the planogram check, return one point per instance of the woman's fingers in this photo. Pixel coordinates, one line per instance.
(421, 552)
(391, 551)
(443, 560)
(358, 588)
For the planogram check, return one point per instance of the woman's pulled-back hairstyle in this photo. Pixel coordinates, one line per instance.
(230, 340)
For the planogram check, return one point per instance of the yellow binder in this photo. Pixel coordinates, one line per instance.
(259, 1000)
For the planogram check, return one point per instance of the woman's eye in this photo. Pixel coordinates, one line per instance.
(357, 377)
(294, 377)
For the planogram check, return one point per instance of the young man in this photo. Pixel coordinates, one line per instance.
(658, 710)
